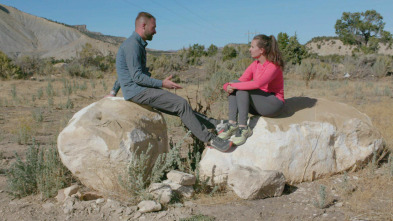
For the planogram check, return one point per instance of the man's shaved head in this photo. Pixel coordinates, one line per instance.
(143, 18)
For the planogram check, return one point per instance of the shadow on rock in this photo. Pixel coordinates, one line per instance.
(4, 9)
(294, 104)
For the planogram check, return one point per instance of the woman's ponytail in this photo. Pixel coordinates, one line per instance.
(272, 51)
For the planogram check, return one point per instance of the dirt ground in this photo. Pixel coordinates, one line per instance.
(366, 194)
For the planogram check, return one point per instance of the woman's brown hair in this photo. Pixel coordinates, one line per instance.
(272, 52)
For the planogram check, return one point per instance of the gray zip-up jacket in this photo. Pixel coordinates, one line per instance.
(133, 75)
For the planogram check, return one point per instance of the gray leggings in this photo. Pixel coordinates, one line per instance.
(256, 102)
(173, 104)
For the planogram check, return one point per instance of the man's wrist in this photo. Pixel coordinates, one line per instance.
(112, 93)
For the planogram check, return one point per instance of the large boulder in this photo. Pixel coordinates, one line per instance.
(311, 139)
(98, 142)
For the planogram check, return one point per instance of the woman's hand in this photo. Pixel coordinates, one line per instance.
(230, 89)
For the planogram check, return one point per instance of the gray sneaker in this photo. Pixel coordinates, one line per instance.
(228, 131)
(221, 125)
(241, 135)
(220, 144)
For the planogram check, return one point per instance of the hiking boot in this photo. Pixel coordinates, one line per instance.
(220, 144)
(241, 135)
(228, 131)
(221, 125)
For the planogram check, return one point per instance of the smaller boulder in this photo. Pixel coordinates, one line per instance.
(161, 192)
(147, 206)
(185, 191)
(69, 191)
(252, 183)
(63, 194)
(181, 178)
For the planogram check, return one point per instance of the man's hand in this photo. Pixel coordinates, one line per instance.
(168, 84)
(109, 95)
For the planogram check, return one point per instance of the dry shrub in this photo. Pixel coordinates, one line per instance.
(382, 66)
(381, 117)
(164, 64)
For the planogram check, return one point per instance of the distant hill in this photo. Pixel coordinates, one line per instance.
(332, 45)
(25, 34)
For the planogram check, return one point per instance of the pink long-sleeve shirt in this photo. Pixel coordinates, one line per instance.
(267, 77)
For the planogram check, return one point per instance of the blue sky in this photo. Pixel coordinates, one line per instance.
(181, 23)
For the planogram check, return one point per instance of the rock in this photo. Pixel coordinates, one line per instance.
(161, 192)
(185, 191)
(69, 191)
(68, 207)
(111, 204)
(137, 215)
(251, 183)
(130, 210)
(47, 206)
(161, 215)
(309, 140)
(189, 204)
(340, 204)
(98, 142)
(99, 201)
(60, 196)
(181, 178)
(90, 196)
(149, 206)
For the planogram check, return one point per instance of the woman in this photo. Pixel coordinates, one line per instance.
(259, 91)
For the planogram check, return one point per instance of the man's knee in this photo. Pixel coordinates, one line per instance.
(183, 102)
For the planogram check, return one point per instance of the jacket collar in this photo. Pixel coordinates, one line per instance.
(139, 39)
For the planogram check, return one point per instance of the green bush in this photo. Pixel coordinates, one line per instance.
(75, 69)
(139, 176)
(196, 51)
(8, 70)
(41, 172)
(292, 51)
(228, 53)
(212, 50)
(29, 64)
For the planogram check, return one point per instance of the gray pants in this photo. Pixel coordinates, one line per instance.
(173, 104)
(256, 102)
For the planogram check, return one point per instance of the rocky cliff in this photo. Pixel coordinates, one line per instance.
(25, 34)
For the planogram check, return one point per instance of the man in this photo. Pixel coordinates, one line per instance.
(138, 87)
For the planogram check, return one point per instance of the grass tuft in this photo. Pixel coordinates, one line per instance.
(41, 172)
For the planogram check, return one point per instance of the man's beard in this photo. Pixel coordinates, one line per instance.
(149, 36)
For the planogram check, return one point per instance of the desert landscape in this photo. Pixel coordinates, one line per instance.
(46, 85)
